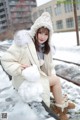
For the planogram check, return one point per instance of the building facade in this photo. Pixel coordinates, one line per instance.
(62, 14)
(3, 16)
(15, 14)
(20, 13)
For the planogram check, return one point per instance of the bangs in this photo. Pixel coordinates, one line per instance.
(43, 30)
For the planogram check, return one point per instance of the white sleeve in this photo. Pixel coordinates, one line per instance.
(10, 61)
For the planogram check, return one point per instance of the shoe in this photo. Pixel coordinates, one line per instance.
(61, 111)
(70, 104)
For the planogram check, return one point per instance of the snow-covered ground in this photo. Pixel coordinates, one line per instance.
(64, 39)
(10, 101)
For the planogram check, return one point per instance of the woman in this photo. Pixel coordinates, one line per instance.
(33, 47)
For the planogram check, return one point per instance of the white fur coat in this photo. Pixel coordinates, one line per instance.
(23, 52)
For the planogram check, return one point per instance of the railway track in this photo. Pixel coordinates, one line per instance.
(68, 70)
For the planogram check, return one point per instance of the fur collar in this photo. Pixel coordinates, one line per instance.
(22, 37)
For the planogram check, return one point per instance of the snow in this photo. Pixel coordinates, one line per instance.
(10, 101)
(66, 46)
(64, 39)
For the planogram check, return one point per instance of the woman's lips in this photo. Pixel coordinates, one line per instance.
(41, 40)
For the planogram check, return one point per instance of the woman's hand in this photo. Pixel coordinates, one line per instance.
(24, 66)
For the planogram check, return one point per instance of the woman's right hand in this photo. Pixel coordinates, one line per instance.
(24, 66)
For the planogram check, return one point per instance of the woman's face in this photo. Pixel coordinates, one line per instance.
(43, 35)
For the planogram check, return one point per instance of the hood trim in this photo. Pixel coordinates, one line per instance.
(22, 37)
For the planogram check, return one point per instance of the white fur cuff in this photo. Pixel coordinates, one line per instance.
(31, 73)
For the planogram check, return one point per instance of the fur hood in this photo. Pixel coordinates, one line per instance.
(22, 37)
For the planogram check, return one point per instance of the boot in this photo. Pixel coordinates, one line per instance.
(61, 111)
(70, 104)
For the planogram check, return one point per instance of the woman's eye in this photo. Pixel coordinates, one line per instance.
(40, 33)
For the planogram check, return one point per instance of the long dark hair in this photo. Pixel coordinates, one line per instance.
(46, 44)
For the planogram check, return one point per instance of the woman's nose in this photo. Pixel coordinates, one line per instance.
(42, 36)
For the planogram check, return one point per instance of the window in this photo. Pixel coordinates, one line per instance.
(1, 4)
(3, 27)
(57, 9)
(78, 4)
(59, 24)
(4, 21)
(69, 23)
(78, 20)
(68, 6)
(1, 10)
(2, 16)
